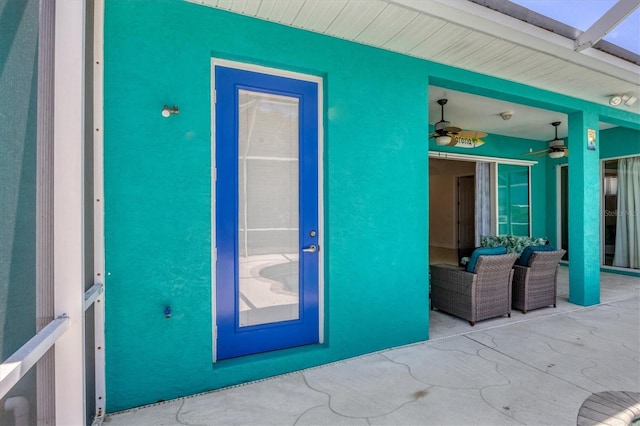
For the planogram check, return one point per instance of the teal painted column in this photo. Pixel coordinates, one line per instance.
(584, 209)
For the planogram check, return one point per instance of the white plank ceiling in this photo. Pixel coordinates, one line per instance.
(469, 36)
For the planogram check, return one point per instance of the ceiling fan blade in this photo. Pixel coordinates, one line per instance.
(540, 155)
(471, 134)
(438, 133)
(452, 129)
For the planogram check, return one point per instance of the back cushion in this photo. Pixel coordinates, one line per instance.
(483, 251)
(525, 257)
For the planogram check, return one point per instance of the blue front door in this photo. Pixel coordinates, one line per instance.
(266, 212)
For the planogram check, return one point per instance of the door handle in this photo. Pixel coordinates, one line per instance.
(311, 249)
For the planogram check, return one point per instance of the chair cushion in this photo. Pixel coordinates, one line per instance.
(483, 251)
(525, 257)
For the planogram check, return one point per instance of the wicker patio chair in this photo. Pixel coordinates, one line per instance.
(474, 296)
(535, 286)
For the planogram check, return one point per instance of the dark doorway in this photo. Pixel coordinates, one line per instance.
(466, 216)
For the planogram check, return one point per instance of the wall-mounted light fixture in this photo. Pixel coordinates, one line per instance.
(628, 100)
(167, 111)
(615, 100)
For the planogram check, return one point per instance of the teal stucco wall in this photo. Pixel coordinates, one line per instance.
(157, 195)
(158, 192)
(613, 142)
(619, 142)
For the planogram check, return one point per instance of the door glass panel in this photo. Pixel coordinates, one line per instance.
(610, 190)
(268, 243)
(513, 200)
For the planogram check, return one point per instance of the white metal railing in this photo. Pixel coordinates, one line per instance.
(17, 365)
(91, 295)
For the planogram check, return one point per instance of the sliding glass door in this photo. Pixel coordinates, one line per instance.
(513, 200)
(621, 212)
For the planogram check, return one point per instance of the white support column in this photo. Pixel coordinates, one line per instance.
(69, 209)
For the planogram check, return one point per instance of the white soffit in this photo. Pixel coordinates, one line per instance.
(461, 34)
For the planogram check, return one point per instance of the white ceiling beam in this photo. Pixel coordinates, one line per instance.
(605, 24)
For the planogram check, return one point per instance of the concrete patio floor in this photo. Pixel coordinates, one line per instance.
(533, 369)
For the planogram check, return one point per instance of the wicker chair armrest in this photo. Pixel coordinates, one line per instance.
(520, 274)
(519, 270)
(455, 279)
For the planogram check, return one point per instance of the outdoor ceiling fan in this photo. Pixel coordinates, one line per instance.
(447, 135)
(557, 148)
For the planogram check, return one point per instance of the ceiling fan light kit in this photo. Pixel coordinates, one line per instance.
(443, 140)
(556, 154)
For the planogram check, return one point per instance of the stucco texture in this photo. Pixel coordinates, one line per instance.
(376, 191)
(158, 196)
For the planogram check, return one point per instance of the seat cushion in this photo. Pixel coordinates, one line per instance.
(483, 251)
(525, 257)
